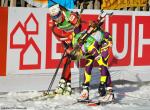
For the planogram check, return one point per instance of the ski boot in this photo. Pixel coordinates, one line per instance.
(84, 96)
(67, 90)
(108, 97)
(61, 87)
(102, 89)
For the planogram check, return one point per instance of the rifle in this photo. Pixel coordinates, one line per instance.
(90, 30)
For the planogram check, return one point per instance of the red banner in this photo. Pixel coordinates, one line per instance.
(3, 39)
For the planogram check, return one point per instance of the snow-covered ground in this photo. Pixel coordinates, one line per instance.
(128, 97)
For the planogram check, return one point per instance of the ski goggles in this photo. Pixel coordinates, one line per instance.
(56, 16)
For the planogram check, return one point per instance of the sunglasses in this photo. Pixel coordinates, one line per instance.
(56, 16)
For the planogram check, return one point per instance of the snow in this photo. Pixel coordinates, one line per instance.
(128, 97)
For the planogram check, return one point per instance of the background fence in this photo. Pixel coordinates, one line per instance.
(137, 5)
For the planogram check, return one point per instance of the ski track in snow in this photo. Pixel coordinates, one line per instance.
(128, 97)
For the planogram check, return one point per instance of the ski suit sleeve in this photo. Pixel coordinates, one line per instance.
(60, 34)
(51, 23)
(108, 38)
(108, 41)
(74, 19)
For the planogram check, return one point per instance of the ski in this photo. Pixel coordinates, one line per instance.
(94, 102)
(84, 101)
(39, 97)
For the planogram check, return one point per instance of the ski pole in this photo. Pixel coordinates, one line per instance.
(55, 74)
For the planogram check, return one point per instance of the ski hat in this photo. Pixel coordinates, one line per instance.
(54, 11)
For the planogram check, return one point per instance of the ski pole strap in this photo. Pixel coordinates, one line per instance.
(66, 45)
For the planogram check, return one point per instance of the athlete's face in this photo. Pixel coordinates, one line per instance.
(57, 18)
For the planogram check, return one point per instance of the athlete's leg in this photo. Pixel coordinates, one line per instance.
(87, 78)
